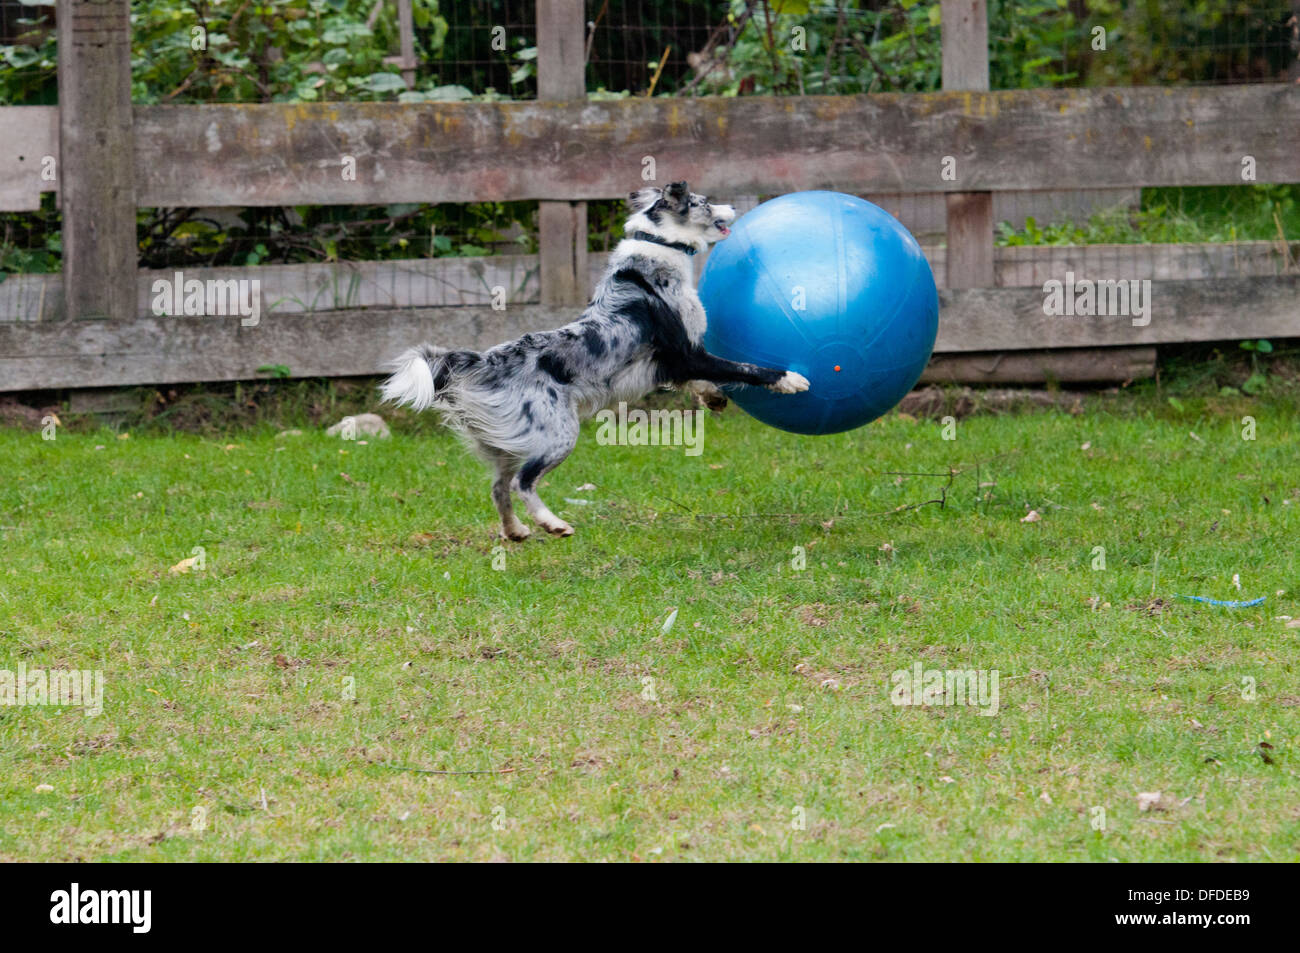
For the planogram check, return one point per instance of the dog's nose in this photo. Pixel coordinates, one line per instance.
(725, 212)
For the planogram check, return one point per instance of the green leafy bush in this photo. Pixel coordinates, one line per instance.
(222, 51)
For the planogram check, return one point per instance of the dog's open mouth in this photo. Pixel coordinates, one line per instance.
(721, 226)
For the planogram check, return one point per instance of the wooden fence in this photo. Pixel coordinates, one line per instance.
(93, 327)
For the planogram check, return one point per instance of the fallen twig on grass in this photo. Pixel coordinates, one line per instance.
(404, 767)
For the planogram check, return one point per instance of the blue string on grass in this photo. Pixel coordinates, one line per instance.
(1226, 603)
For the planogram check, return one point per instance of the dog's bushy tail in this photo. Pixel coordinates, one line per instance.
(422, 376)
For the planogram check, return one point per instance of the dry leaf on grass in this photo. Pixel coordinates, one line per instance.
(808, 615)
(1150, 801)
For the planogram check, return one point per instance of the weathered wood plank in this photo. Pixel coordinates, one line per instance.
(965, 48)
(291, 154)
(562, 252)
(97, 158)
(1066, 366)
(994, 319)
(31, 298)
(318, 286)
(164, 350)
(964, 44)
(156, 350)
(1293, 23)
(406, 31)
(970, 240)
(561, 226)
(561, 55)
(467, 282)
(29, 143)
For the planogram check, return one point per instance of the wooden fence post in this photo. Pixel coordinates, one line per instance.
(970, 214)
(1293, 25)
(406, 60)
(562, 226)
(97, 159)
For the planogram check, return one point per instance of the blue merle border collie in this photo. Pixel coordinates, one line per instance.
(519, 404)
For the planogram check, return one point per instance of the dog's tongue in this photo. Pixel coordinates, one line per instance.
(725, 231)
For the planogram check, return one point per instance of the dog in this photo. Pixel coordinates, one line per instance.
(518, 405)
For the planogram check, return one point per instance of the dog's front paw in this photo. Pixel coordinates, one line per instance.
(790, 383)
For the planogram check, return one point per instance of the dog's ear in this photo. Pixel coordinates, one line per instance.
(642, 199)
(678, 196)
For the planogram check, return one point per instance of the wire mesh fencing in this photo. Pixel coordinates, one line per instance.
(304, 50)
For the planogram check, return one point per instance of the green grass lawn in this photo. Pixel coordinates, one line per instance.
(357, 626)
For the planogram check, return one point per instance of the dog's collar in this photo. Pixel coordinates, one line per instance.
(680, 246)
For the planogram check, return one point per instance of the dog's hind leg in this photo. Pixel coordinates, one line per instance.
(559, 443)
(511, 527)
(526, 486)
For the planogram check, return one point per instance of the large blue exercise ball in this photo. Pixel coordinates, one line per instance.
(832, 287)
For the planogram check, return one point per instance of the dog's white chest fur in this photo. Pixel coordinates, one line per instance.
(686, 301)
(693, 316)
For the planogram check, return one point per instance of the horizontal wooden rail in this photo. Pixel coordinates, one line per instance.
(467, 282)
(303, 153)
(1216, 309)
(29, 152)
(159, 350)
(1064, 366)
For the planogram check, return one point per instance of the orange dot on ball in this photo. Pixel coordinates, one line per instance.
(837, 368)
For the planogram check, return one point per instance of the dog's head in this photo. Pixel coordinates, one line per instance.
(680, 215)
